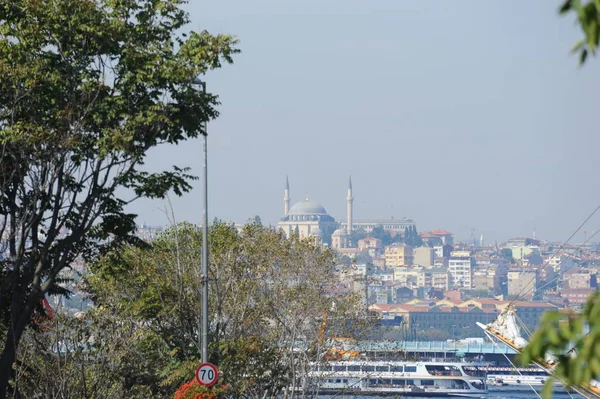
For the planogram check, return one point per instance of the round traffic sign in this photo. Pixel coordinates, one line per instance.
(207, 374)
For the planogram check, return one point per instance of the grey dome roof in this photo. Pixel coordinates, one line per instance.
(340, 232)
(316, 232)
(307, 207)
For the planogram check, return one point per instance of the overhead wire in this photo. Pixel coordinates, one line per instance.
(510, 361)
(545, 264)
(549, 283)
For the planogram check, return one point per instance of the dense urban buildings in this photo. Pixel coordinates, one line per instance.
(426, 281)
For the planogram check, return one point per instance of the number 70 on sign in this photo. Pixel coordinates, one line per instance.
(207, 374)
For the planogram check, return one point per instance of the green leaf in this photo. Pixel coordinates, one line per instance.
(565, 7)
(583, 56)
(577, 46)
(548, 388)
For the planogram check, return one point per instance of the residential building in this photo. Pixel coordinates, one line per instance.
(578, 278)
(522, 283)
(430, 240)
(561, 263)
(521, 251)
(433, 278)
(419, 316)
(369, 242)
(446, 237)
(392, 225)
(577, 296)
(398, 254)
(460, 267)
(407, 276)
(378, 262)
(490, 276)
(442, 251)
(424, 256)
(384, 276)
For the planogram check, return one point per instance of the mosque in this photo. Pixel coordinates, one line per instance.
(308, 218)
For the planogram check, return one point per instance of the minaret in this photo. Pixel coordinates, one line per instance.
(286, 197)
(349, 201)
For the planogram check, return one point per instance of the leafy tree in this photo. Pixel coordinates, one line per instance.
(88, 87)
(588, 18)
(506, 253)
(412, 238)
(267, 293)
(363, 257)
(91, 355)
(357, 235)
(573, 342)
(382, 234)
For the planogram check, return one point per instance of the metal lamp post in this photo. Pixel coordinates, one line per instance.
(204, 273)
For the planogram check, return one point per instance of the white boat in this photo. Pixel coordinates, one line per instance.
(418, 378)
(506, 329)
(530, 376)
(515, 379)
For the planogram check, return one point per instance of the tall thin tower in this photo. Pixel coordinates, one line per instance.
(286, 197)
(349, 201)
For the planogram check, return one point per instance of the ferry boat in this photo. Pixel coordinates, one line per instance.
(526, 377)
(418, 378)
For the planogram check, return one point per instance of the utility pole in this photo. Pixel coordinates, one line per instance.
(204, 272)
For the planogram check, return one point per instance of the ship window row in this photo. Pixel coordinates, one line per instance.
(392, 383)
(364, 369)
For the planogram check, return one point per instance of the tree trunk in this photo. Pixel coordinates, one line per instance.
(6, 362)
(20, 317)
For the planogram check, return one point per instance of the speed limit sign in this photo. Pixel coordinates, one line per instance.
(207, 374)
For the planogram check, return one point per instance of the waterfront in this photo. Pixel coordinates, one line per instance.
(507, 392)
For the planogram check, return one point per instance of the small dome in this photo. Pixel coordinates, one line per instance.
(339, 232)
(316, 232)
(307, 207)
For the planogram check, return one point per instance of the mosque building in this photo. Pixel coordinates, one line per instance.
(308, 218)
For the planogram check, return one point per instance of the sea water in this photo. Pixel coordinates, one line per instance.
(506, 392)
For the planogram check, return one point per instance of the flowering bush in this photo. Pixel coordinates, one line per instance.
(193, 390)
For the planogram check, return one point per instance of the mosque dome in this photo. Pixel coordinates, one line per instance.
(316, 232)
(339, 232)
(307, 207)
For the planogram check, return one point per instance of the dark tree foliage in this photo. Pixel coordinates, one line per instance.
(87, 88)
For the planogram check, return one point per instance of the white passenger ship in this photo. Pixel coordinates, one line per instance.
(528, 376)
(420, 378)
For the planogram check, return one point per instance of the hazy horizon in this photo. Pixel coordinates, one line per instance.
(463, 115)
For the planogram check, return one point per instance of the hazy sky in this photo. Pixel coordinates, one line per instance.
(458, 114)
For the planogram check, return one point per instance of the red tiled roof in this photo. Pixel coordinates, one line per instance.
(381, 307)
(441, 232)
(574, 270)
(522, 304)
(454, 301)
(577, 290)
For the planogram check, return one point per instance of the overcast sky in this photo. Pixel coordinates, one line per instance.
(459, 114)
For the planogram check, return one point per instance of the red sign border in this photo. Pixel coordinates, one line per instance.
(214, 369)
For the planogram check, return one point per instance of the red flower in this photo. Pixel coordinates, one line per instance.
(193, 390)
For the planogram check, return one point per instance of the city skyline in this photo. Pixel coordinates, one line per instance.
(466, 116)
